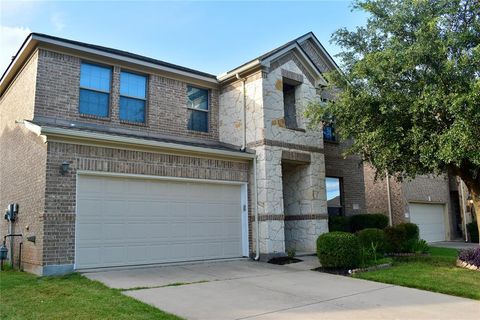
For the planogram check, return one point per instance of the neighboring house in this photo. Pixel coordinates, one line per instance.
(435, 203)
(117, 159)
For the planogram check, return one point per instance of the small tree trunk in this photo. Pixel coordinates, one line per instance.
(473, 186)
(476, 206)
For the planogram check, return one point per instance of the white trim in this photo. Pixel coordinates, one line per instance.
(141, 142)
(152, 177)
(14, 62)
(320, 46)
(243, 202)
(244, 212)
(123, 58)
(230, 74)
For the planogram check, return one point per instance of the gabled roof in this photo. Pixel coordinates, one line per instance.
(265, 58)
(35, 39)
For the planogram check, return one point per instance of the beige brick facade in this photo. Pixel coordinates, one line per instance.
(22, 165)
(422, 189)
(57, 96)
(349, 170)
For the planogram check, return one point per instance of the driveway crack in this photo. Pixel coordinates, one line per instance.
(314, 302)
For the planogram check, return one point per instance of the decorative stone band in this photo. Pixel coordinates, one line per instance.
(281, 144)
(292, 75)
(290, 217)
(296, 157)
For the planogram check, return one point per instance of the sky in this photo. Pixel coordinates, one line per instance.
(212, 37)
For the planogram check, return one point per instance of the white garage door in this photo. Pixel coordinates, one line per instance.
(130, 221)
(430, 220)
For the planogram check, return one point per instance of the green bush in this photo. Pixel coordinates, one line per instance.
(402, 237)
(339, 223)
(363, 221)
(472, 230)
(373, 238)
(338, 250)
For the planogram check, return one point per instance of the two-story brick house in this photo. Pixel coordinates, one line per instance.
(117, 159)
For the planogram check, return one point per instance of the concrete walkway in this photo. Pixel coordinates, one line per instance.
(255, 290)
(454, 244)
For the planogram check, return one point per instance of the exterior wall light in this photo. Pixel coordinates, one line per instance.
(64, 167)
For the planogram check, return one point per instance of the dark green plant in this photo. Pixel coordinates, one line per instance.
(373, 238)
(415, 246)
(402, 237)
(291, 253)
(338, 250)
(408, 94)
(339, 223)
(363, 221)
(411, 230)
(472, 230)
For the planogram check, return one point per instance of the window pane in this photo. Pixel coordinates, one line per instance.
(94, 103)
(198, 121)
(133, 85)
(95, 77)
(329, 132)
(333, 192)
(132, 109)
(197, 98)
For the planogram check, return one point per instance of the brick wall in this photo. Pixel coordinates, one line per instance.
(58, 97)
(22, 164)
(423, 188)
(61, 190)
(350, 171)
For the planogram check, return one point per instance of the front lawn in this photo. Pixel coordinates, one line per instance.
(25, 296)
(436, 273)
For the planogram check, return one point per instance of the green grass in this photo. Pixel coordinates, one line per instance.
(436, 273)
(25, 296)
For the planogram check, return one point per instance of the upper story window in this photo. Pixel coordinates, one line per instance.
(289, 103)
(197, 104)
(329, 132)
(133, 93)
(95, 84)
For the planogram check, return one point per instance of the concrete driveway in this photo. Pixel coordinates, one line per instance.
(254, 290)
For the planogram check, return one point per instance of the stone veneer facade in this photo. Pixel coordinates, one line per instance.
(291, 192)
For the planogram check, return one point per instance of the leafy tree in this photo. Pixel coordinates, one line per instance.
(409, 94)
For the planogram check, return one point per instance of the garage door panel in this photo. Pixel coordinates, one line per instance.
(430, 220)
(124, 221)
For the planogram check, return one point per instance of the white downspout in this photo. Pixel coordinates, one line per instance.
(244, 107)
(389, 199)
(255, 210)
(244, 146)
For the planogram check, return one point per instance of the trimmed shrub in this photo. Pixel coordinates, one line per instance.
(372, 238)
(363, 221)
(472, 230)
(402, 237)
(339, 223)
(411, 230)
(338, 250)
(471, 256)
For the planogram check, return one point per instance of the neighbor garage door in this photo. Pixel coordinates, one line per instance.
(130, 221)
(430, 220)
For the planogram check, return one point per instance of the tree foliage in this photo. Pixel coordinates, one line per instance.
(409, 93)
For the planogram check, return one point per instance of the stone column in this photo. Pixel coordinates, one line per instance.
(270, 201)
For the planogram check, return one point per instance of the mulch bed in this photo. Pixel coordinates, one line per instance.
(349, 272)
(283, 260)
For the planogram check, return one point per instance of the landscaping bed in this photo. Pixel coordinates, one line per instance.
(437, 272)
(25, 296)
